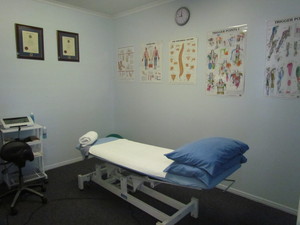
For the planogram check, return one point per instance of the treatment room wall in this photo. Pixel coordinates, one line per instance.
(69, 98)
(172, 115)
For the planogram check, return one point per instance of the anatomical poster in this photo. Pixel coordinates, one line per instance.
(151, 66)
(226, 51)
(125, 63)
(282, 73)
(183, 61)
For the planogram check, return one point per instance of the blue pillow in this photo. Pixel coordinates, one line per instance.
(209, 154)
(190, 171)
(200, 174)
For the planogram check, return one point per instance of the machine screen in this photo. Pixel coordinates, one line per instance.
(16, 120)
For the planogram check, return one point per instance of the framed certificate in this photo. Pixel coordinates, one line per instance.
(67, 46)
(29, 42)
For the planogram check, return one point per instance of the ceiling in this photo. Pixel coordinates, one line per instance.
(110, 8)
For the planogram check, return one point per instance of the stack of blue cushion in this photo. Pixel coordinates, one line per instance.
(206, 159)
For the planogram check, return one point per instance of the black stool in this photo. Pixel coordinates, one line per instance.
(18, 152)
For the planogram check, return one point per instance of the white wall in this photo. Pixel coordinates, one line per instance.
(69, 98)
(298, 215)
(72, 98)
(171, 115)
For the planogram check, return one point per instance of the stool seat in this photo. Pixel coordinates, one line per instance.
(18, 152)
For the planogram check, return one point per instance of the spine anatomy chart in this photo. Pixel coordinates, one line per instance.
(226, 50)
(183, 61)
(282, 73)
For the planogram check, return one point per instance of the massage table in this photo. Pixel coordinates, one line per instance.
(126, 167)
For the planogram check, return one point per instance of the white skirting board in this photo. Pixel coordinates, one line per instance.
(63, 163)
(260, 200)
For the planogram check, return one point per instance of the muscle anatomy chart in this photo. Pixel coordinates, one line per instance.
(125, 63)
(183, 61)
(282, 73)
(226, 50)
(151, 69)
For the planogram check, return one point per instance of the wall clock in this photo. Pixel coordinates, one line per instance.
(182, 16)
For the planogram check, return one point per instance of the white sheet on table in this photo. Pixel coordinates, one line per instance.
(143, 158)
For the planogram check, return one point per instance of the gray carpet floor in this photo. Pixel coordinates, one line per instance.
(67, 205)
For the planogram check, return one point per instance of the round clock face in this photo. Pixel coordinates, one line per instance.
(182, 16)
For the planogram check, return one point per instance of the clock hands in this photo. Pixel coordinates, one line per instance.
(182, 16)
